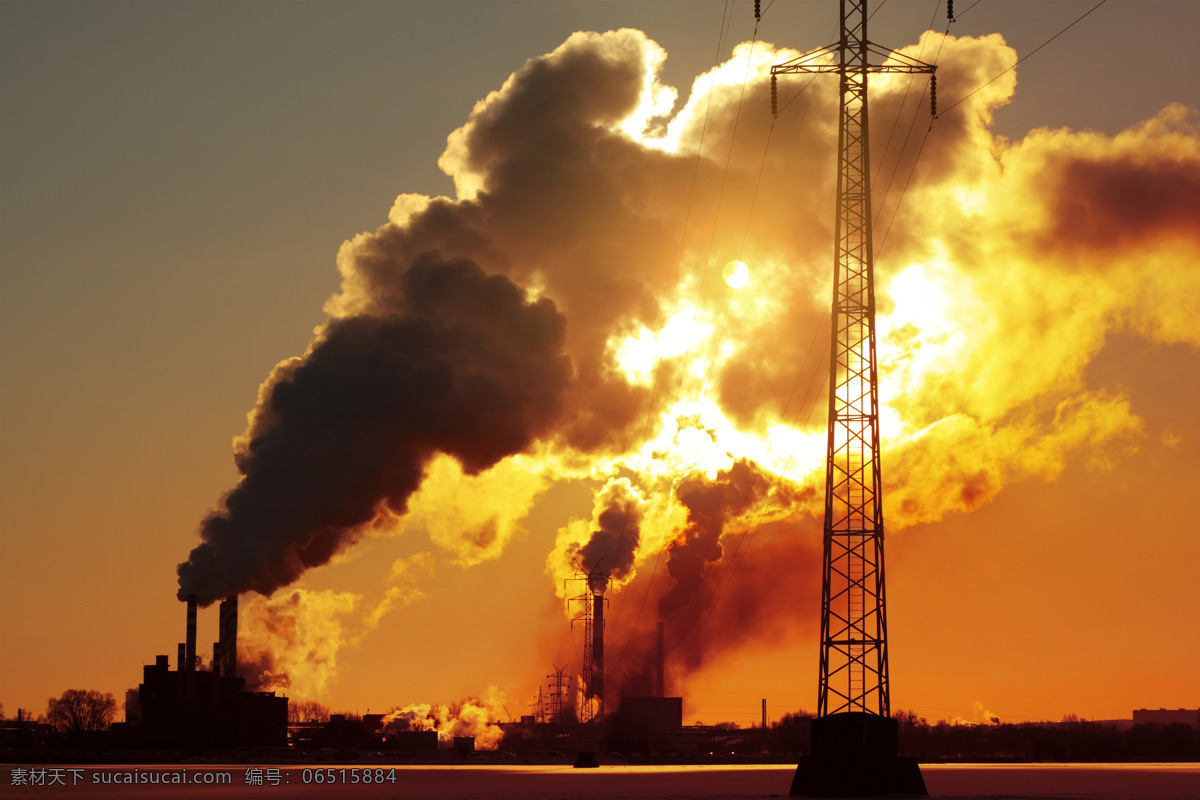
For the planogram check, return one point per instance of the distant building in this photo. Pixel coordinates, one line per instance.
(1119, 724)
(647, 725)
(1164, 716)
(23, 732)
(349, 733)
(654, 714)
(413, 740)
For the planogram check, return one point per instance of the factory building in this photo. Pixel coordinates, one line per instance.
(194, 707)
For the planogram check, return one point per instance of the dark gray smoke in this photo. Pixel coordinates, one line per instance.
(711, 504)
(463, 365)
(615, 539)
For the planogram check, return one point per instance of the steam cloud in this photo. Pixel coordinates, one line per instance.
(471, 716)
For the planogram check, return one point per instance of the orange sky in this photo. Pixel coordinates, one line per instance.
(1038, 342)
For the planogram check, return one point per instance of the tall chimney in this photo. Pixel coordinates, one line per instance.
(228, 625)
(216, 663)
(764, 723)
(660, 676)
(598, 647)
(597, 584)
(192, 603)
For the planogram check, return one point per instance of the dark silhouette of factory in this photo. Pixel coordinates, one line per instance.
(190, 707)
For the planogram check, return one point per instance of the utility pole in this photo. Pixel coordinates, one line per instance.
(853, 734)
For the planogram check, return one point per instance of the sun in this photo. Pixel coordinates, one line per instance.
(736, 274)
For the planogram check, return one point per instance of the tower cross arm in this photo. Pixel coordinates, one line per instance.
(818, 62)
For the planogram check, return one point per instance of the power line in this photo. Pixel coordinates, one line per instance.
(1024, 57)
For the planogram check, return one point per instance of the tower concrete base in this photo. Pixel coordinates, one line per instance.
(855, 755)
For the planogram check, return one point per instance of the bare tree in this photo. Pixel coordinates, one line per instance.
(79, 710)
(307, 711)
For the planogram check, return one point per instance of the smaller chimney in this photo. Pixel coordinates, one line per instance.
(192, 604)
(182, 657)
(216, 662)
(764, 722)
(660, 676)
(227, 625)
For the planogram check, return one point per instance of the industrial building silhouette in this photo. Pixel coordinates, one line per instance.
(192, 707)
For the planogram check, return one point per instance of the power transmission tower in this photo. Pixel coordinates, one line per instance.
(853, 703)
(558, 690)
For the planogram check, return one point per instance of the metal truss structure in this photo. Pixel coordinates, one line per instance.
(591, 701)
(854, 651)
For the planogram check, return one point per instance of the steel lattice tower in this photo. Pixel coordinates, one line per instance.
(591, 707)
(558, 691)
(854, 653)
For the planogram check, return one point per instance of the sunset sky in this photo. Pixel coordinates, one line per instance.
(392, 232)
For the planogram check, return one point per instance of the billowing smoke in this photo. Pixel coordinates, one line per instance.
(764, 589)
(610, 540)
(615, 539)
(462, 364)
(1000, 277)
(711, 506)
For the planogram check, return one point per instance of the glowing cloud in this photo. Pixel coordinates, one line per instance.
(561, 315)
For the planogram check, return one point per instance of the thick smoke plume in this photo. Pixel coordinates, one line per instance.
(609, 540)
(618, 528)
(462, 364)
(712, 505)
(1000, 278)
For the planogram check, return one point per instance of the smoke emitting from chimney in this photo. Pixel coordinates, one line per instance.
(463, 364)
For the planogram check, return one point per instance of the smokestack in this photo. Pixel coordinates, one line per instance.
(216, 662)
(598, 647)
(764, 722)
(192, 603)
(660, 676)
(228, 627)
(598, 584)
(182, 656)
